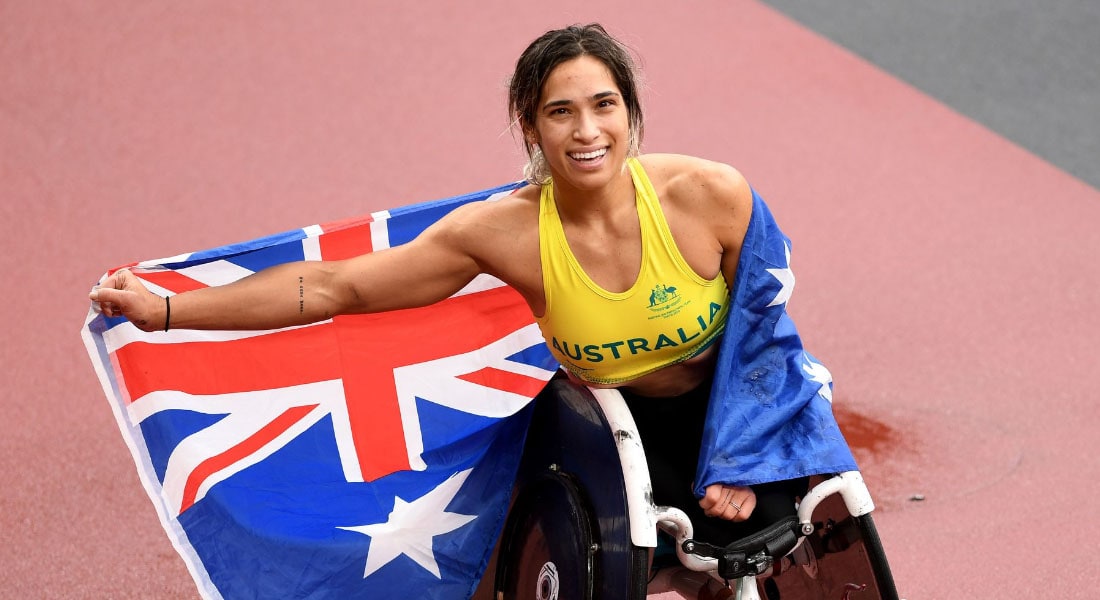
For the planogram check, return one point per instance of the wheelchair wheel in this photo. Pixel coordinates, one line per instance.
(843, 558)
(567, 535)
(876, 558)
(547, 551)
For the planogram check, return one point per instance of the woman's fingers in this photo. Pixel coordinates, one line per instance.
(740, 506)
(730, 502)
(712, 497)
(110, 295)
(122, 294)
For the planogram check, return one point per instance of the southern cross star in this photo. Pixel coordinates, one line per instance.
(412, 525)
(819, 374)
(786, 279)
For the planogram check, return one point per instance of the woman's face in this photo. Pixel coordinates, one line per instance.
(582, 124)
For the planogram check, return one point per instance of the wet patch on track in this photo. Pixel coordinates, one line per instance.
(914, 455)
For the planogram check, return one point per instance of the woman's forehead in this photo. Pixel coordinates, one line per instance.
(581, 77)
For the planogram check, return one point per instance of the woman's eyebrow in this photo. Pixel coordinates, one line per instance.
(567, 102)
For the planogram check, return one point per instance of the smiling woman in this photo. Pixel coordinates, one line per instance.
(627, 262)
(527, 94)
(581, 130)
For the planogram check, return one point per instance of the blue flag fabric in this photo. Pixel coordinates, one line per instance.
(770, 416)
(372, 456)
(367, 456)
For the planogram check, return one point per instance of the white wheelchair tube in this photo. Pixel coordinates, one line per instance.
(850, 486)
(640, 509)
(644, 517)
(677, 524)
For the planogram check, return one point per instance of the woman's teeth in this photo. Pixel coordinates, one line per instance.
(588, 155)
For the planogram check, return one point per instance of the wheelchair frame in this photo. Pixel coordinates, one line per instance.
(575, 430)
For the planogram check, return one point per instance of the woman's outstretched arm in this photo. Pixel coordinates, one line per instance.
(426, 270)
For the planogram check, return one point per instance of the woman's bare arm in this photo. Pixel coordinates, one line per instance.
(428, 269)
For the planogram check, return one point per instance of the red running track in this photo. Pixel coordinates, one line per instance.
(947, 277)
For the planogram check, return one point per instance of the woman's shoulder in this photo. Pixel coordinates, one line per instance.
(520, 202)
(680, 177)
(487, 220)
(499, 234)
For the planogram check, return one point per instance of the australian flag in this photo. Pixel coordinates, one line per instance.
(770, 415)
(346, 459)
(373, 456)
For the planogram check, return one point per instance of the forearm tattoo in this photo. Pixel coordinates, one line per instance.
(301, 295)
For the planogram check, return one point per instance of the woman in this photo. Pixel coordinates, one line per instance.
(624, 260)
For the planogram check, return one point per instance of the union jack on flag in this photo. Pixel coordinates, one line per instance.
(349, 458)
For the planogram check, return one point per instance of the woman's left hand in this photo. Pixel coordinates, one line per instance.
(729, 502)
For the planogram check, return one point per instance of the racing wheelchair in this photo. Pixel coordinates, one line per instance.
(582, 524)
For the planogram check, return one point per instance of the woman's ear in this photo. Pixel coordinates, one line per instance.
(530, 136)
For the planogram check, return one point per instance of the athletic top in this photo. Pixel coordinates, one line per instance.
(669, 315)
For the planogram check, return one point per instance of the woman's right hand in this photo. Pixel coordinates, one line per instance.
(123, 295)
(729, 502)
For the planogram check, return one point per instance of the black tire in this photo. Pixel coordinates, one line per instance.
(571, 461)
(842, 558)
(548, 548)
(876, 556)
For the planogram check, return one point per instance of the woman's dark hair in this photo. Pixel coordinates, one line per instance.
(550, 50)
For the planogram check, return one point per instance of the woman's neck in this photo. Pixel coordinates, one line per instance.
(580, 205)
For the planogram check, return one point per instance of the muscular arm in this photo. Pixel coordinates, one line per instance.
(708, 206)
(427, 269)
(728, 208)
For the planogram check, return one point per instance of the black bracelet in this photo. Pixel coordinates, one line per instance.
(167, 312)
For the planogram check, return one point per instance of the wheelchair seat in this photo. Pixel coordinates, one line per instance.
(582, 524)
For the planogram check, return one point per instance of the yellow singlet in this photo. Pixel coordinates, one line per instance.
(669, 315)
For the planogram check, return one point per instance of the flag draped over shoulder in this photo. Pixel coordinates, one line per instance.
(770, 415)
(366, 456)
(373, 456)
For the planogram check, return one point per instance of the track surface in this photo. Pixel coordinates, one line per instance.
(947, 276)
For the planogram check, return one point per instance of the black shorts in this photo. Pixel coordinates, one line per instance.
(671, 430)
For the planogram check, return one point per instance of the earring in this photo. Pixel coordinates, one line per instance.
(537, 170)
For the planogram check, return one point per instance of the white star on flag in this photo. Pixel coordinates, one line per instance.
(412, 525)
(819, 374)
(786, 279)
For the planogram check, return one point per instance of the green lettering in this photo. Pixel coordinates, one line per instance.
(683, 336)
(570, 355)
(614, 348)
(637, 344)
(592, 353)
(563, 348)
(715, 308)
(664, 341)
